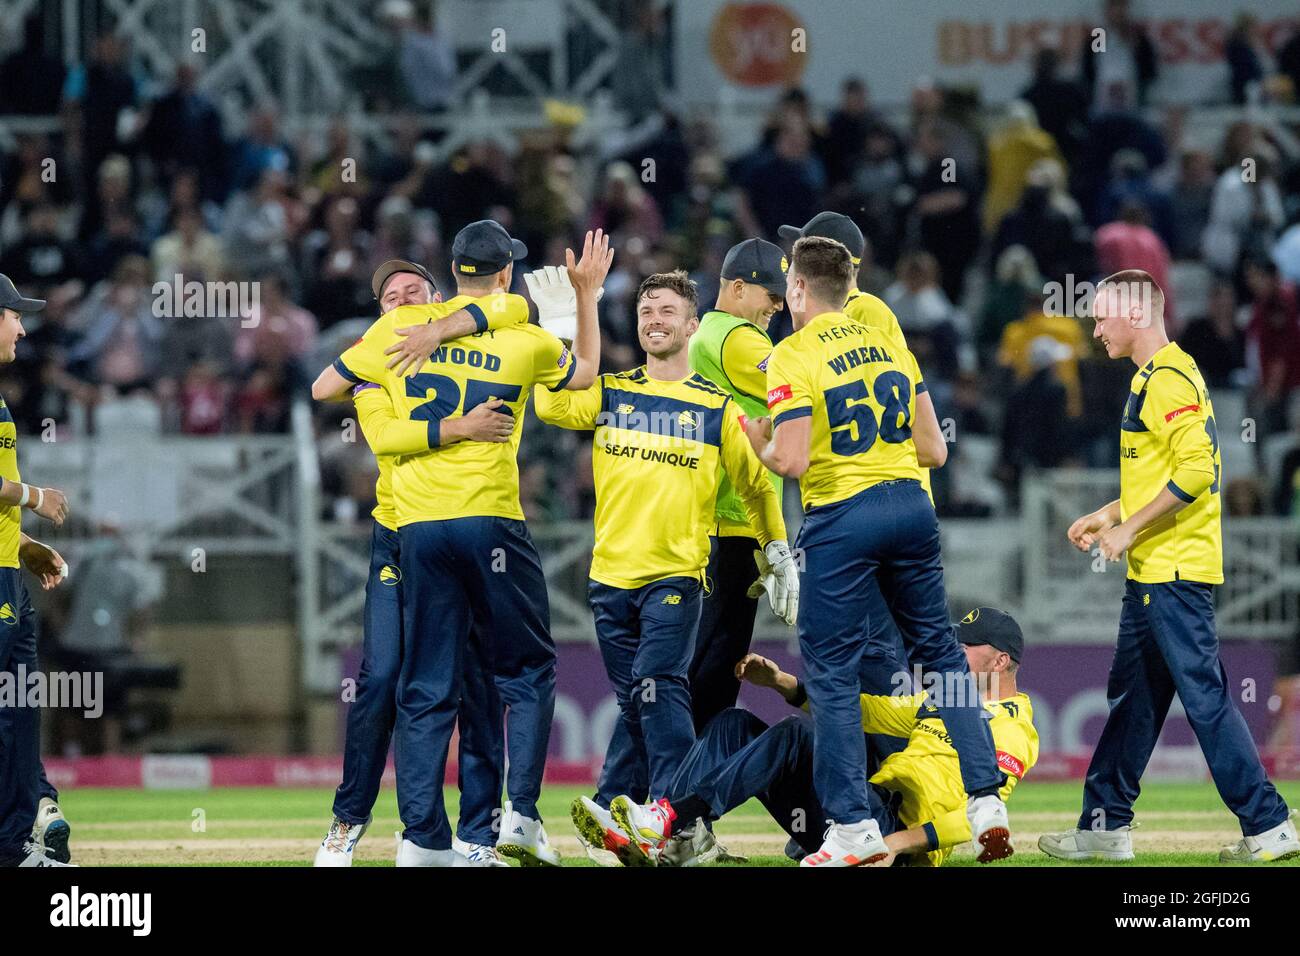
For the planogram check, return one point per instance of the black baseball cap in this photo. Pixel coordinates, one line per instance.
(757, 261)
(11, 298)
(988, 625)
(830, 225)
(484, 247)
(391, 268)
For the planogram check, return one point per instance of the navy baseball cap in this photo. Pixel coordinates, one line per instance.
(757, 261)
(830, 225)
(391, 268)
(11, 298)
(484, 247)
(988, 625)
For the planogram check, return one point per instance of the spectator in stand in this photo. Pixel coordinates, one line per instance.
(401, 233)
(1215, 341)
(1015, 280)
(118, 239)
(426, 60)
(624, 209)
(1037, 429)
(25, 181)
(1022, 337)
(278, 332)
(1109, 132)
(1119, 65)
(337, 265)
(1130, 181)
(41, 258)
(1248, 58)
(32, 78)
(261, 149)
(204, 399)
(1060, 104)
(1013, 150)
(474, 180)
(99, 96)
(189, 250)
(875, 192)
(927, 317)
(184, 132)
(783, 184)
(1244, 497)
(1131, 243)
(1286, 252)
(260, 224)
(343, 169)
(1049, 224)
(1246, 211)
(1273, 345)
(847, 131)
(1288, 62)
(945, 214)
(113, 196)
(1189, 203)
(118, 336)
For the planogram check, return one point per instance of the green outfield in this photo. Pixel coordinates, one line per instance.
(1180, 824)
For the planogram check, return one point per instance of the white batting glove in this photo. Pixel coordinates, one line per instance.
(778, 576)
(556, 299)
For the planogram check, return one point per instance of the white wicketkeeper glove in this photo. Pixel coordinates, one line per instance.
(557, 301)
(778, 576)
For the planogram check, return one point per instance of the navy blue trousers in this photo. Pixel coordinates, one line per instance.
(21, 774)
(647, 639)
(373, 711)
(1168, 643)
(888, 529)
(483, 571)
(737, 757)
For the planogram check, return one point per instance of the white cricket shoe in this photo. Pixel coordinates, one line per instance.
(477, 854)
(1113, 845)
(696, 846)
(856, 844)
(1278, 843)
(408, 854)
(648, 827)
(336, 849)
(989, 827)
(39, 856)
(605, 843)
(51, 830)
(524, 839)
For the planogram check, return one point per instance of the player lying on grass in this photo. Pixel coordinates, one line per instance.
(919, 789)
(664, 436)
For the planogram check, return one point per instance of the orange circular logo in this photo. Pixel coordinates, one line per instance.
(758, 44)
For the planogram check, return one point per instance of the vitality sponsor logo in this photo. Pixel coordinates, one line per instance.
(778, 394)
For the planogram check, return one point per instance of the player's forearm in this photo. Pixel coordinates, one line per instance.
(915, 840)
(787, 685)
(1163, 504)
(18, 493)
(1110, 512)
(763, 508)
(586, 344)
(330, 386)
(787, 452)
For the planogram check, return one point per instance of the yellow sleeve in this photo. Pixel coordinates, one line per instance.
(385, 432)
(747, 474)
(498, 310)
(745, 353)
(554, 362)
(788, 393)
(890, 714)
(1016, 743)
(1174, 410)
(365, 360)
(578, 409)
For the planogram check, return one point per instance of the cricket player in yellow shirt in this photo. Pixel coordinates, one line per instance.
(466, 555)
(851, 420)
(373, 709)
(738, 757)
(1167, 519)
(663, 435)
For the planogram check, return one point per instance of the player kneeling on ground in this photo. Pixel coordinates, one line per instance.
(738, 757)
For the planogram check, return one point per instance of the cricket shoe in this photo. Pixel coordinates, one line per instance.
(606, 844)
(477, 854)
(648, 825)
(1278, 843)
(696, 846)
(336, 849)
(1113, 845)
(524, 839)
(989, 827)
(852, 844)
(408, 854)
(35, 855)
(51, 830)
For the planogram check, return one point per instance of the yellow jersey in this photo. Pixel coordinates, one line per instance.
(927, 771)
(1168, 439)
(11, 516)
(871, 310)
(860, 387)
(469, 478)
(660, 448)
(390, 437)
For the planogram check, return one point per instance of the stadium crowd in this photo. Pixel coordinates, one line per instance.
(980, 220)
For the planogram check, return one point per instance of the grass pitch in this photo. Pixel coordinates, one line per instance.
(1179, 824)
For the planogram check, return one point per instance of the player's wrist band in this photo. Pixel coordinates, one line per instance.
(800, 694)
(27, 494)
(40, 499)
